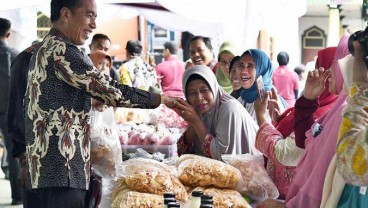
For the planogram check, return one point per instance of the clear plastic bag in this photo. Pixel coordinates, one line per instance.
(201, 171)
(150, 176)
(148, 163)
(122, 196)
(106, 152)
(256, 182)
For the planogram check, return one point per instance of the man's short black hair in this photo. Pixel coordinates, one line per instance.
(57, 5)
(134, 47)
(171, 46)
(98, 36)
(283, 58)
(4, 26)
(206, 40)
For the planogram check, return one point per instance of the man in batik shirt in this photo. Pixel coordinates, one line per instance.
(61, 82)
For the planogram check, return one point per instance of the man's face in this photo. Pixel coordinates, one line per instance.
(199, 53)
(81, 22)
(100, 44)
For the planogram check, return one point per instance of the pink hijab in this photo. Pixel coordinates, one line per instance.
(307, 185)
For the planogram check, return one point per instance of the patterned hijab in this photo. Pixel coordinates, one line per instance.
(263, 67)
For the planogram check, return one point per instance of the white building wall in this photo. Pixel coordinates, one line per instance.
(287, 38)
(307, 22)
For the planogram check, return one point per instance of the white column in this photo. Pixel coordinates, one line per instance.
(333, 26)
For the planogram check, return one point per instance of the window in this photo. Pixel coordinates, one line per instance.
(43, 25)
(314, 38)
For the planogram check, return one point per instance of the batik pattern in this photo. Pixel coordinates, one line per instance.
(61, 82)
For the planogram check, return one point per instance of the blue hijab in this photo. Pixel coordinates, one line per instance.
(263, 67)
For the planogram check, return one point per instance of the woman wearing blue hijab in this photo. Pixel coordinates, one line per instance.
(254, 63)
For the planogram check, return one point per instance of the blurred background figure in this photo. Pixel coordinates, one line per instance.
(102, 42)
(285, 80)
(135, 69)
(170, 72)
(9, 164)
(301, 72)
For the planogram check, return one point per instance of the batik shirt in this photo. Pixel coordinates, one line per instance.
(352, 151)
(61, 82)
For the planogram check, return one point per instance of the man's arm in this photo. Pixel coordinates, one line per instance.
(103, 88)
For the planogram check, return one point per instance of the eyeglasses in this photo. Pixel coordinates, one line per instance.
(224, 63)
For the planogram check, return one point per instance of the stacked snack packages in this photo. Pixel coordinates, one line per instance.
(201, 171)
(212, 177)
(122, 196)
(147, 179)
(257, 184)
(143, 182)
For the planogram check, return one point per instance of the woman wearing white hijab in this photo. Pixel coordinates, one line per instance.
(218, 123)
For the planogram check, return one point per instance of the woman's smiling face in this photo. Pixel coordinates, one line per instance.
(246, 71)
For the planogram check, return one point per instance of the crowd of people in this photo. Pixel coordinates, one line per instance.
(312, 133)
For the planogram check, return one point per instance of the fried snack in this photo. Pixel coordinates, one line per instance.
(225, 198)
(208, 172)
(131, 199)
(144, 162)
(101, 160)
(187, 157)
(156, 182)
(257, 184)
(118, 185)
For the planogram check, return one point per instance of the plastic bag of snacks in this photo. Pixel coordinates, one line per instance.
(105, 145)
(151, 178)
(201, 171)
(122, 196)
(225, 197)
(148, 162)
(257, 184)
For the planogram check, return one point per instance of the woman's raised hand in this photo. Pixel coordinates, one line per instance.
(273, 106)
(315, 83)
(186, 111)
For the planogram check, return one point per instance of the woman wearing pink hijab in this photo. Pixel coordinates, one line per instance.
(307, 185)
